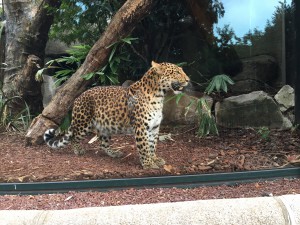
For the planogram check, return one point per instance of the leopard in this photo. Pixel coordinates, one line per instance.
(112, 110)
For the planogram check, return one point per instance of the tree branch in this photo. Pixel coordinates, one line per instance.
(120, 26)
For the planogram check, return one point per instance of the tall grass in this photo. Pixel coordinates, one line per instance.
(13, 121)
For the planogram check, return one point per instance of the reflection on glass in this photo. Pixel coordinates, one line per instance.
(260, 34)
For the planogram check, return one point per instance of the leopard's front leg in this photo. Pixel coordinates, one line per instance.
(144, 148)
(153, 137)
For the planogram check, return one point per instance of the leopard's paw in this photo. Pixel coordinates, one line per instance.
(150, 165)
(114, 153)
(79, 151)
(159, 161)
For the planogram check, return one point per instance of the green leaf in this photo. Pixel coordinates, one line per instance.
(207, 124)
(218, 83)
(114, 67)
(64, 73)
(112, 53)
(59, 81)
(39, 75)
(102, 78)
(113, 44)
(187, 108)
(50, 62)
(88, 76)
(113, 80)
(178, 97)
(128, 40)
(182, 64)
(169, 98)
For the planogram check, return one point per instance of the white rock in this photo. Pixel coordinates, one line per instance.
(285, 97)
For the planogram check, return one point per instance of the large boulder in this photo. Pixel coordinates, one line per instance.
(255, 109)
(257, 72)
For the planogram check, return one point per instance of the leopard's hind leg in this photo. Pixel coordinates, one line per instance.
(105, 146)
(79, 134)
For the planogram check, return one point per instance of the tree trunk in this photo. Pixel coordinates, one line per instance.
(2, 51)
(120, 26)
(27, 26)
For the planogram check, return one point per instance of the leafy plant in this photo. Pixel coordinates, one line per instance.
(219, 83)
(264, 133)
(109, 73)
(207, 123)
(67, 65)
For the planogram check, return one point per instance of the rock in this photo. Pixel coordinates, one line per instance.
(127, 83)
(286, 97)
(255, 109)
(247, 86)
(56, 48)
(177, 113)
(257, 71)
(48, 89)
(174, 113)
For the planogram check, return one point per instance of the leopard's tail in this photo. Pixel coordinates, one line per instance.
(52, 142)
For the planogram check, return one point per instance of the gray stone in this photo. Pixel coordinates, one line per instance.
(258, 71)
(262, 68)
(56, 48)
(127, 83)
(286, 97)
(255, 109)
(246, 86)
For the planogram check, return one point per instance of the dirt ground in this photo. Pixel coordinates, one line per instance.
(184, 152)
(73, 200)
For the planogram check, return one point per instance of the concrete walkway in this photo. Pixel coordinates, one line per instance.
(283, 210)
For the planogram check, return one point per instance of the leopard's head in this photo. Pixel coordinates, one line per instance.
(172, 77)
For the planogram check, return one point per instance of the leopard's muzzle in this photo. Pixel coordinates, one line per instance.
(178, 87)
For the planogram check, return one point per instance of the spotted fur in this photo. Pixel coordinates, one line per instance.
(136, 109)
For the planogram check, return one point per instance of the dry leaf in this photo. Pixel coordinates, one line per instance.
(68, 198)
(210, 162)
(126, 156)
(204, 167)
(168, 168)
(222, 153)
(165, 137)
(95, 138)
(242, 160)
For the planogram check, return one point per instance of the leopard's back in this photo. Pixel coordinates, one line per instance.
(102, 108)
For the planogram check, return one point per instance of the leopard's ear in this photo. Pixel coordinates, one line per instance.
(157, 67)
